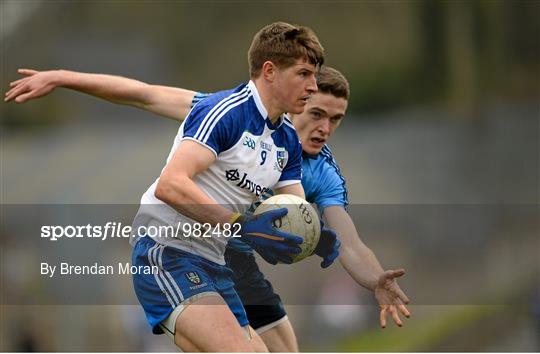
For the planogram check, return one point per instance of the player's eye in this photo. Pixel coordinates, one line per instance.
(316, 114)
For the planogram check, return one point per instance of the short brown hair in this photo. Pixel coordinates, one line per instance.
(283, 44)
(331, 81)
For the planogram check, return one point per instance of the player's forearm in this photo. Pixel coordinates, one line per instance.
(115, 89)
(188, 199)
(170, 102)
(357, 259)
(361, 264)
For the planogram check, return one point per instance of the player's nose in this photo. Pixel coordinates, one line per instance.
(324, 126)
(312, 85)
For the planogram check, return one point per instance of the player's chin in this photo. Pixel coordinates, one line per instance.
(310, 149)
(298, 108)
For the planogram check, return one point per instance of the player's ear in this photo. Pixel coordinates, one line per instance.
(269, 70)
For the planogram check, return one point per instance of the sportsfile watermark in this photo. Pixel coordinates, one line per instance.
(113, 229)
(452, 254)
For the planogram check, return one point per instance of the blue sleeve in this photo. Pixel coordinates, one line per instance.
(199, 96)
(333, 191)
(217, 130)
(293, 168)
(325, 185)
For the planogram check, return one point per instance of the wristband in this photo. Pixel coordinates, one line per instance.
(234, 218)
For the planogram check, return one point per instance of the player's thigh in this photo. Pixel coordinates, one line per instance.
(280, 338)
(208, 325)
(256, 341)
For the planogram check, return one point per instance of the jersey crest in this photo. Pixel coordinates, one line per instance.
(281, 159)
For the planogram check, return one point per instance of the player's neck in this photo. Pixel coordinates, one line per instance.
(268, 100)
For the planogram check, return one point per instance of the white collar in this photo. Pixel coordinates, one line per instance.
(257, 99)
(260, 105)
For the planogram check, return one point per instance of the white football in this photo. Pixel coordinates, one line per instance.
(301, 220)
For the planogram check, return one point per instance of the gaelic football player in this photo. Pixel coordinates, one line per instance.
(193, 189)
(323, 184)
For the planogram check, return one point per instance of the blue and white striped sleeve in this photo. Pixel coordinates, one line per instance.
(216, 134)
(217, 124)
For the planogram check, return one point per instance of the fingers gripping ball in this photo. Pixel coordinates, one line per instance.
(301, 220)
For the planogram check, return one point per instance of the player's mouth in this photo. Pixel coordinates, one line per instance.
(305, 99)
(317, 141)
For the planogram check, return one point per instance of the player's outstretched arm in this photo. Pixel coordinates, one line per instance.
(360, 262)
(170, 102)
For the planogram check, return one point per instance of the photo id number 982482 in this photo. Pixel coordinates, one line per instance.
(207, 230)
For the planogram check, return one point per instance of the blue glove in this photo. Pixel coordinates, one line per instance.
(272, 244)
(328, 246)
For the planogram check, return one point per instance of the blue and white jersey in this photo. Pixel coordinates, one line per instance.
(323, 183)
(252, 155)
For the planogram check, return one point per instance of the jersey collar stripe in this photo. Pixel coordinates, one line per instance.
(217, 108)
(169, 276)
(287, 122)
(162, 277)
(257, 99)
(216, 120)
(156, 276)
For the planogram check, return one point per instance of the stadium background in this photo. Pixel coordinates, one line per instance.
(440, 152)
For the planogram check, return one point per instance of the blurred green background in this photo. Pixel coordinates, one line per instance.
(444, 112)
(395, 53)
